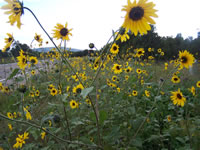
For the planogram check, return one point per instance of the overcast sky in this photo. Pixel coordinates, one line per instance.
(94, 20)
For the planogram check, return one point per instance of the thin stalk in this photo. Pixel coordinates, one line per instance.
(53, 135)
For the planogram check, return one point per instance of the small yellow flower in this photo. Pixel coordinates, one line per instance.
(10, 127)
(62, 32)
(169, 118)
(73, 104)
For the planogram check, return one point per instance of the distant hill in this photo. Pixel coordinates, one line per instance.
(46, 49)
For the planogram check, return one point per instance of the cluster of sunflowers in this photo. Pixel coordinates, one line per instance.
(98, 101)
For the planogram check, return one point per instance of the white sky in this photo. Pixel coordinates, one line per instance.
(93, 20)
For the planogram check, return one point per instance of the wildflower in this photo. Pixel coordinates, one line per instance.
(43, 134)
(138, 15)
(114, 49)
(10, 116)
(175, 79)
(178, 98)
(169, 118)
(192, 90)
(15, 115)
(37, 93)
(33, 60)
(62, 32)
(122, 35)
(6, 89)
(33, 72)
(9, 40)
(32, 94)
(159, 50)
(140, 52)
(139, 71)
(129, 69)
(73, 104)
(117, 68)
(54, 91)
(38, 38)
(10, 127)
(134, 93)
(6, 48)
(78, 89)
(50, 123)
(186, 59)
(51, 86)
(198, 84)
(88, 101)
(147, 93)
(22, 62)
(91, 45)
(28, 114)
(20, 140)
(166, 66)
(15, 10)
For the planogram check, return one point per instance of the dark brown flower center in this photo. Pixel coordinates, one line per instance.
(37, 38)
(115, 48)
(33, 61)
(63, 31)
(175, 79)
(179, 96)
(10, 39)
(73, 104)
(136, 13)
(184, 59)
(118, 68)
(78, 90)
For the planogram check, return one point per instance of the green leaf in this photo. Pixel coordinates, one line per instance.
(102, 116)
(13, 74)
(92, 116)
(86, 91)
(64, 98)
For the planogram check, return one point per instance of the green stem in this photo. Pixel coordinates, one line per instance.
(41, 128)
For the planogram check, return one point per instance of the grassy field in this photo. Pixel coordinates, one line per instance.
(128, 109)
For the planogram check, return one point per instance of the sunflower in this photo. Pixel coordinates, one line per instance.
(128, 69)
(10, 39)
(134, 93)
(175, 79)
(10, 115)
(178, 98)
(1, 87)
(147, 93)
(114, 78)
(22, 61)
(122, 35)
(15, 10)
(169, 118)
(33, 60)
(139, 71)
(198, 84)
(114, 49)
(6, 48)
(186, 59)
(62, 32)
(73, 104)
(38, 38)
(78, 89)
(192, 90)
(117, 68)
(54, 91)
(138, 16)
(140, 52)
(33, 72)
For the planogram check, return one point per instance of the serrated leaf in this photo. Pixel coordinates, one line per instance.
(86, 91)
(13, 74)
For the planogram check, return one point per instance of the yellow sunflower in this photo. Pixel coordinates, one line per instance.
(22, 61)
(138, 16)
(33, 60)
(134, 93)
(175, 79)
(62, 32)
(178, 98)
(54, 91)
(140, 52)
(73, 104)
(6, 48)
(33, 72)
(9, 40)
(186, 59)
(122, 35)
(198, 84)
(114, 49)
(192, 90)
(38, 38)
(78, 89)
(147, 93)
(117, 68)
(15, 10)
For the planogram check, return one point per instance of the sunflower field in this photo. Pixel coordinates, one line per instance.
(105, 100)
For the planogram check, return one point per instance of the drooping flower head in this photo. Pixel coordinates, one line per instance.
(186, 59)
(15, 10)
(62, 32)
(138, 16)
